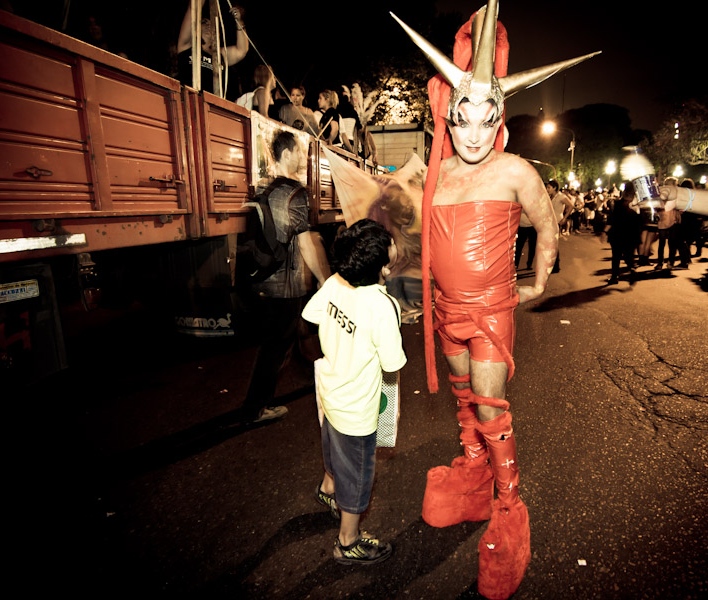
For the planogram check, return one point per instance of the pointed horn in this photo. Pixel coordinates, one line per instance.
(477, 23)
(526, 79)
(448, 69)
(483, 68)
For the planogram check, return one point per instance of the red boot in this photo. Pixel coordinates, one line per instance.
(505, 547)
(465, 490)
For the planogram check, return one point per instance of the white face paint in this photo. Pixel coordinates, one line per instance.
(476, 130)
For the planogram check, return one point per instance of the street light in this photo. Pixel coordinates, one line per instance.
(549, 128)
(610, 170)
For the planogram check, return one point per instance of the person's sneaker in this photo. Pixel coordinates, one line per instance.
(271, 412)
(328, 500)
(366, 550)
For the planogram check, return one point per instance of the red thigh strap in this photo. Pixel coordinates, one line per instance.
(495, 402)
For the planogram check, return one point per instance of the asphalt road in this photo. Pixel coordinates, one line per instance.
(131, 475)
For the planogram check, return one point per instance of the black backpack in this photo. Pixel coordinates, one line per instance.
(259, 254)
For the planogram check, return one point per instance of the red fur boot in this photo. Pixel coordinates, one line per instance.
(463, 491)
(505, 547)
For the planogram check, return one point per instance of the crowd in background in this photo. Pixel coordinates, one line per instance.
(640, 237)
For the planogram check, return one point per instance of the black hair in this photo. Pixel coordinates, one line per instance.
(282, 140)
(553, 183)
(361, 251)
(629, 191)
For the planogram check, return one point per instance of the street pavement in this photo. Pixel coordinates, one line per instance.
(131, 473)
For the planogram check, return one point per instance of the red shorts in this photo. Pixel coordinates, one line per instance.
(459, 332)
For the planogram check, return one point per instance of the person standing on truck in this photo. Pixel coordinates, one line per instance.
(230, 55)
(296, 114)
(260, 98)
(280, 298)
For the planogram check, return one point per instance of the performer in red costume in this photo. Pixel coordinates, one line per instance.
(472, 200)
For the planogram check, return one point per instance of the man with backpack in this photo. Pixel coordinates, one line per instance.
(280, 297)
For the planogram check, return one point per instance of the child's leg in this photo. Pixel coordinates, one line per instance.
(324, 493)
(353, 460)
(350, 466)
(348, 528)
(327, 485)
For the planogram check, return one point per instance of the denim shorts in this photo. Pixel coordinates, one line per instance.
(351, 461)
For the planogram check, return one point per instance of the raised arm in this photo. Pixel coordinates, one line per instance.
(239, 50)
(184, 41)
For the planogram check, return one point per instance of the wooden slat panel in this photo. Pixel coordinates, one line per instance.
(132, 96)
(136, 137)
(139, 136)
(38, 117)
(228, 159)
(65, 166)
(32, 70)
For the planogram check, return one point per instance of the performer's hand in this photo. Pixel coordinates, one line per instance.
(528, 293)
(237, 13)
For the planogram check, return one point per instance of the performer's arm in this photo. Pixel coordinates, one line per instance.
(539, 210)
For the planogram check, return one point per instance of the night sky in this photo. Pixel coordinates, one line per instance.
(647, 56)
(640, 67)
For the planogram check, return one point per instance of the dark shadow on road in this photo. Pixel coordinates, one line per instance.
(189, 442)
(588, 295)
(384, 580)
(702, 282)
(573, 298)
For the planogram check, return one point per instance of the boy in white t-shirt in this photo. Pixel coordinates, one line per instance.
(360, 336)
